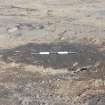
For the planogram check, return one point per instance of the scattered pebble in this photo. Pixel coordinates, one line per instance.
(11, 30)
(75, 64)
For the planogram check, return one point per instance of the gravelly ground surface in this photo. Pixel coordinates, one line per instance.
(51, 20)
(20, 87)
(27, 25)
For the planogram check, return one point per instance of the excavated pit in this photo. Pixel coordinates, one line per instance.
(85, 55)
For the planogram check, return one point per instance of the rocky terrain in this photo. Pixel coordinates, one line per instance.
(28, 27)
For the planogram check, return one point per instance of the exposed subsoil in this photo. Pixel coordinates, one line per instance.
(85, 55)
(28, 27)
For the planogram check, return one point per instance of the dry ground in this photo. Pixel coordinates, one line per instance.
(51, 21)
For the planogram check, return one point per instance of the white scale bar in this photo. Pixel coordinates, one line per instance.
(65, 52)
(44, 53)
(41, 53)
(60, 53)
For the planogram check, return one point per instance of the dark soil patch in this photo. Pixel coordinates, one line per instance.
(85, 55)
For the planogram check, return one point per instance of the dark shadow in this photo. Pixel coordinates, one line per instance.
(85, 55)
